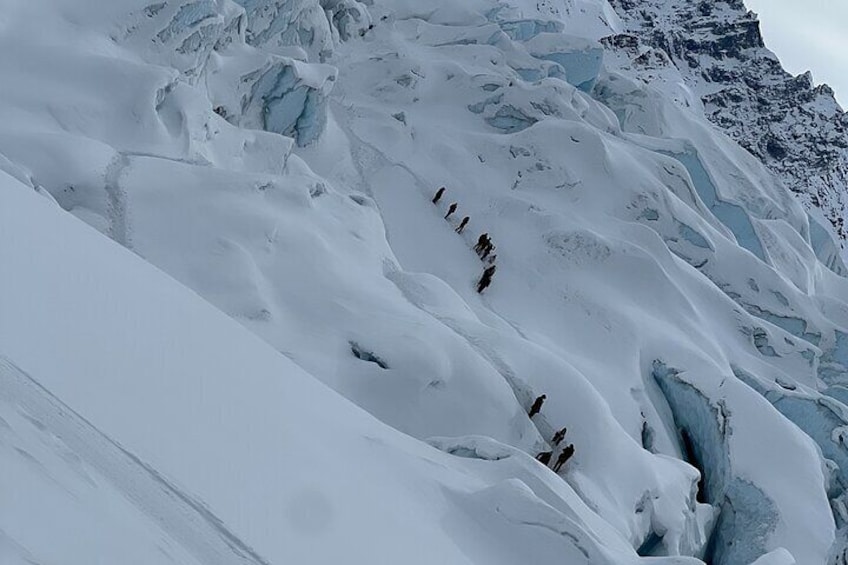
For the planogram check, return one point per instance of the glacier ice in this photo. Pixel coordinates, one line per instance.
(278, 158)
(580, 59)
(279, 25)
(748, 517)
(285, 98)
(731, 215)
(524, 30)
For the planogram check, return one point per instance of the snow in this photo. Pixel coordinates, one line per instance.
(580, 59)
(282, 357)
(279, 25)
(183, 440)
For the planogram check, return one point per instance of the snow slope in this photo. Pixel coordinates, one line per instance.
(139, 425)
(685, 318)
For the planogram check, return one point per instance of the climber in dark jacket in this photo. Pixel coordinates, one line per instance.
(563, 457)
(438, 195)
(544, 457)
(537, 406)
(462, 224)
(451, 210)
(486, 279)
(559, 436)
(488, 249)
(482, 242)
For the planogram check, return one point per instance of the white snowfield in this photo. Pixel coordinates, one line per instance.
(344, 393)
(140, 425)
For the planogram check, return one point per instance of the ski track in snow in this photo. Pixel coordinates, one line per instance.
(187, 520)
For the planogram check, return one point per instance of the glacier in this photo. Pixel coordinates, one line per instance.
(235, 328)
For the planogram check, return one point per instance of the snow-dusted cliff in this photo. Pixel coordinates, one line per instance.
(686, 318)
(797, 129)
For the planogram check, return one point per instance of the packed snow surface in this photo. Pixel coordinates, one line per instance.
(268, 345)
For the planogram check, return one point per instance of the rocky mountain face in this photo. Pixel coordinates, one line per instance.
(796, 128)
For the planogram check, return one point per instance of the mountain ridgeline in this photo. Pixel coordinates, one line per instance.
(796, 128)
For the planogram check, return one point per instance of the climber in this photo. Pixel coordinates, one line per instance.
(438, 195)
(544, 457)
(486, 279)
(563, 457)
(462, 224)
(488, 249)
(537, 406)
(482, 242)
(451, 210)
(559, 436)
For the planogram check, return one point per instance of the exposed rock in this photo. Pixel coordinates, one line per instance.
(797, 129)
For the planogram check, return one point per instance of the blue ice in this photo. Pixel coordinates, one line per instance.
(825, 249)
(524, 30)
(747, 515)
(187, 17)
(581, 67)
(731, 215)
(510, 119)
(289, 107)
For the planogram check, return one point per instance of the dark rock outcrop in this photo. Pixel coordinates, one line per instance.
(796, 128)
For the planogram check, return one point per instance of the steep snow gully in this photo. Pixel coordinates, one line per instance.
(363, 397)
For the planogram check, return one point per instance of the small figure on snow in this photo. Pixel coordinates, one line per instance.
(482, 242)
(438, 195)
(563, 457)
(537, 406)
(462, 224)
(544, 457)
(486, 279)
(451, 210)
(486, 250)
(559, 436)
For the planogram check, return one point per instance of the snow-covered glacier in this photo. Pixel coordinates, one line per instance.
(282, 354)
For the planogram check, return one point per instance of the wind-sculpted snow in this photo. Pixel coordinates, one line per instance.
(749, 517)
(524, 30)
(279, 158)
(279, 25)
(183, 441)
(349, 18)
(580, 59)
(833, 365)
(826, 249)
(283, 25)
(732, 216)
(823, 419)
(281, 95)
(181, 34)
(87, 450)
